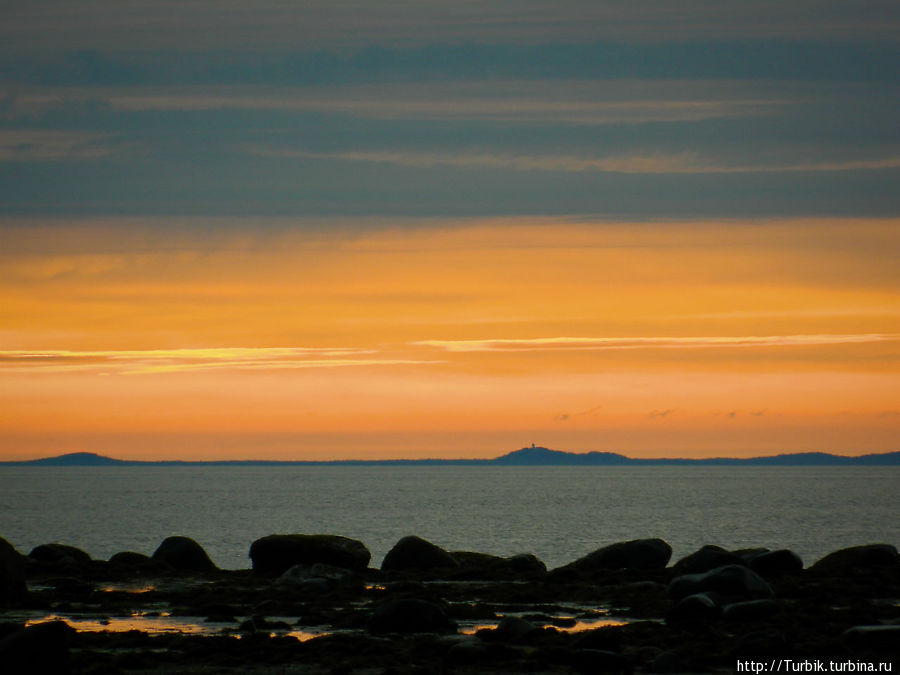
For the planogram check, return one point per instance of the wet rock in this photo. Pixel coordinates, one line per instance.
(705, 559)
(733, 581)
(415, 554)
(409, 615)
(12, 574)
(695, 609)
(318, 577)
(318, 571)
(858, 558)
(512, 629)
(132, 559)
(608, 638)
(771, 564)
(640, 554)
(590, 661)
(41, 648)
(872, 640)
(492, 566)
(261, 623)
(467, 652)
(277, 553)
(59, 554)
(749, 610)
(73, 589)
(183, 553)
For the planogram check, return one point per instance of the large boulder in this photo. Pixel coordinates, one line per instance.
(730, 581)
(277, 553)
(858, 558)
(639, 554)
(40, 648)
(59, 554)
(183, 553)
(706, 558)
(775, 563)
(695, 609)
(409, 615)
(134, 560)
(872, 641)
(484, 565)
(415, 554)
(12, 574)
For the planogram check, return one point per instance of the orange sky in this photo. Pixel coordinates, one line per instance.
(207, 339)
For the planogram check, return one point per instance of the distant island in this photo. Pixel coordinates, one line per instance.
(532, 456)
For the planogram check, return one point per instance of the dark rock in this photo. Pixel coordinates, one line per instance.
(277, 553)
(590, 661)
(492, 566)
(608, 638)
(415, 554)
(872, 640)
(771, 564)
(12, 574)
(705, 559)
(513, 629)
(183, 553)
(132, 559)
(466, 652)
(761, 645)
(640, 554)
(73, 589)
(733, 581)
(409, 615)
(667, 662)
(261, 623)
(526, 563)
(696, 608)
(749, 610)
(858, 558)
(331, 575)
(40, 648)
(59, 554)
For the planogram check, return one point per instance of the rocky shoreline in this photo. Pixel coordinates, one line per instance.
(311, 604)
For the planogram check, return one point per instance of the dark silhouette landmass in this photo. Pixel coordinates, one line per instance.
(533, 456)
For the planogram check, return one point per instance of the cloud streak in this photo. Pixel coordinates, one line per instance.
(137, 362)
(678, 163)
(611, 343)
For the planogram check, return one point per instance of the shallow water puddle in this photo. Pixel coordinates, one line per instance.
(579, 625)
(164, 623)
(152, 624)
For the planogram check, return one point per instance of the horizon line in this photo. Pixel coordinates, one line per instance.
(456, 460)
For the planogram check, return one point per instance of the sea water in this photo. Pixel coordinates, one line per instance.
(557, 513)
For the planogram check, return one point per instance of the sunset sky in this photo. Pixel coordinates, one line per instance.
(385, 229)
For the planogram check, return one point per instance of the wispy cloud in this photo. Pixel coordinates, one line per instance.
(133, 362)
(562, 102)
(678, 163)
(44, 145)
(607, 343)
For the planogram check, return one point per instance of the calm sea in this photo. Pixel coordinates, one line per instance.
(557, 513)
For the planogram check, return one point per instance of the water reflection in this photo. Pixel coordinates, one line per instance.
(570, 625)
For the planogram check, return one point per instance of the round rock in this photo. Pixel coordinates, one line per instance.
(416, 554)
(277, 553)
(183, 553)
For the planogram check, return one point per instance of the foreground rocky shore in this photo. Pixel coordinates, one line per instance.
(311, 604)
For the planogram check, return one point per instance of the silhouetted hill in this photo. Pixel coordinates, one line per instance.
(545, 456)
(76, 459)
(533, 456)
